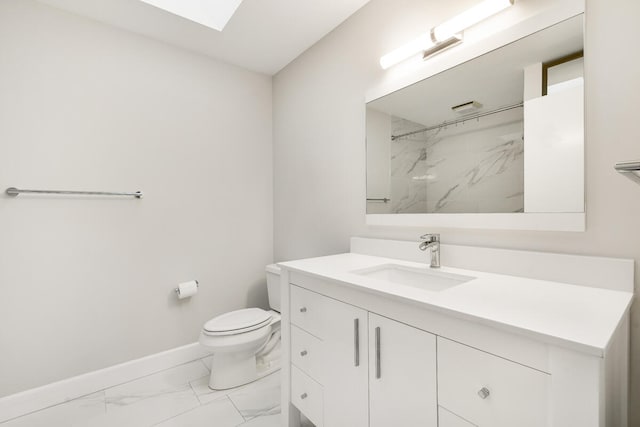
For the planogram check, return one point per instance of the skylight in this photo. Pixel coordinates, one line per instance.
(211, 13)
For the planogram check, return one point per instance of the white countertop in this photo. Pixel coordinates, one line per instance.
(579, 317)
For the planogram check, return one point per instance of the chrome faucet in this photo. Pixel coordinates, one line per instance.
(431, 241)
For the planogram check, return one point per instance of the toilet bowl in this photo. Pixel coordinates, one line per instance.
(245, 343)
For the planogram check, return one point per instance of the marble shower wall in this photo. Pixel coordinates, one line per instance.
(477, 166)
(409, 167)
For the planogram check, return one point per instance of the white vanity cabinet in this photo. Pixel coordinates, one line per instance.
(402, 375)
(371, 370)
(449, 419)
(355, 368)
(490, 391)
(328, 345)
(495, 351)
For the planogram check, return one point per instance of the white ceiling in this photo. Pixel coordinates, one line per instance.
(262, 36)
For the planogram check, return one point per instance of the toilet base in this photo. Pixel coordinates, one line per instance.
(229, 371)
(232, 370)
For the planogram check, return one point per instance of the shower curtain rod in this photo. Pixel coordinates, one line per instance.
(460, 120)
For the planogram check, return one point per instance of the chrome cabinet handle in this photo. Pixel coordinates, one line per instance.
(303, 353)
(303, 310)
(484, 393)
(356, 342)
(303, 396)
(378, 367)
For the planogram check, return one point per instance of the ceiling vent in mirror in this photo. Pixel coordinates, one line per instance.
(210, 13)
(467, 107)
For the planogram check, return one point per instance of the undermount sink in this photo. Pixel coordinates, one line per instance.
(423, 278)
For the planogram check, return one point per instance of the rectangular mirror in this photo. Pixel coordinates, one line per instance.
(501, 133)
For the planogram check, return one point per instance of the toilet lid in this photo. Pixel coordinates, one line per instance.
(240, 321)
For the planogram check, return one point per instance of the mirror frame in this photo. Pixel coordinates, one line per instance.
(573, 221)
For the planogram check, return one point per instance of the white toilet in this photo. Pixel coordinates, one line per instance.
(245, 343)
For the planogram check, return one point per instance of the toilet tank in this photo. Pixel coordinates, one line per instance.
(273, 286)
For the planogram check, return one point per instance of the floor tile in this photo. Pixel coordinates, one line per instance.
(179, 396)
(72, 413)
(261, 397)
(220, 413)
(204, 393)
(263, 421)
(168, 379)
(149, 400)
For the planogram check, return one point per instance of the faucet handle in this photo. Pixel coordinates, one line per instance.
(430, 237)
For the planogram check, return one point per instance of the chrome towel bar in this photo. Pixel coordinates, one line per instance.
(12, 191)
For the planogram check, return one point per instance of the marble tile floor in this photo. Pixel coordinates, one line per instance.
(176, 397)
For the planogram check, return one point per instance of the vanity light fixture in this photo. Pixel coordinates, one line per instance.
(439, 47)
(469, 18)
(445, 35)
(420, 44)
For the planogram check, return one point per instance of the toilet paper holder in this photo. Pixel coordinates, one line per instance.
(177, 290)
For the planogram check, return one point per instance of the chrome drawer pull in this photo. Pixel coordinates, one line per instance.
(378, 367)
(303, 396)
(303, 310)
(356, 342)
(484, 393)
(303, 353)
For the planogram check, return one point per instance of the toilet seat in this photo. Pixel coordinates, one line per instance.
(237, 322)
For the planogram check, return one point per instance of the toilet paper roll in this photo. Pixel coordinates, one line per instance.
(187, 289)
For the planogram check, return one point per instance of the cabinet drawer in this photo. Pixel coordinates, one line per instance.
(490, 391)
(306, 353)
(449, 419)
(307, 311)
(306, 395)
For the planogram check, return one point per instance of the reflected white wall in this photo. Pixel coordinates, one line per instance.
(554, 152)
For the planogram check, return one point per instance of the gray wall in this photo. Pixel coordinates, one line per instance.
(319, 148)
(88, 282)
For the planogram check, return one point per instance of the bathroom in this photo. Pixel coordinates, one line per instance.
(248, 146)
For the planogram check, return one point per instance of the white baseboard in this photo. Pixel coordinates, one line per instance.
(52, 394)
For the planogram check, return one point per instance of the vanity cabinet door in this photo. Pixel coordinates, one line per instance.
(345, 373)
(402, 375)
(489, 391)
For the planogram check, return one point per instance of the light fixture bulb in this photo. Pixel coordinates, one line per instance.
(468, 18)
(445, 35)
(414, 47)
